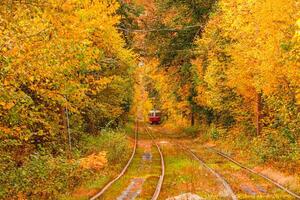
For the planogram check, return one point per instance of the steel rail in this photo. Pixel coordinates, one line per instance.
(254, 172)
(161, 177)
(217, 175)
(108, 185)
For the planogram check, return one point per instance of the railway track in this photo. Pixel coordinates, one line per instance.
(220, 179)
(197, 158)
(109, 184)
(161, 178)
(225, 184)
(278, 185)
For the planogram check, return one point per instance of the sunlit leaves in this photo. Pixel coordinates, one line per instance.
(250, 48)
(60, 55)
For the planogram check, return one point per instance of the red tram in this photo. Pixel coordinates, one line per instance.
(154, 117)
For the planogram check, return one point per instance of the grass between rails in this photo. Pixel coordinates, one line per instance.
(264, 153)
(184, 175)
(148, 170)
(270, 148)
(244, 184)
(246, 151)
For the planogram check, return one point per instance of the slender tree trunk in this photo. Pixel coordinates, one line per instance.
(258, 113)
(193, 118)
(68, 128)
(63, 122)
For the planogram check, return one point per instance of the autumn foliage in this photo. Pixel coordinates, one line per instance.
(236, 74)
(64, 73)
(57, 57)
(228, 70)
(250, 67)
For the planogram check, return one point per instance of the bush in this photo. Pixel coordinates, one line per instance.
(276, 146)
(216, 133)
(114, 143)
(192, 131)
(248, 128)
(41, 176)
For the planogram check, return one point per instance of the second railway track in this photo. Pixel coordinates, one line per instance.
(220, 179)
(278, 185)
(159, 184)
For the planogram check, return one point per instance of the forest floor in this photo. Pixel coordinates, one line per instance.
(184, 174)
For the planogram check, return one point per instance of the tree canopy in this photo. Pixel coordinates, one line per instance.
(57, 57)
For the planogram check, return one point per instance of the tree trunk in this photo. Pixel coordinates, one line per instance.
(63, 122)
(258, 113)
(193, 119)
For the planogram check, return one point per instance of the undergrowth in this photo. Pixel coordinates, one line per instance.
(45, 176)
(276, 146)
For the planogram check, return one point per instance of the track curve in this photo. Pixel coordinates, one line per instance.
(107, 186)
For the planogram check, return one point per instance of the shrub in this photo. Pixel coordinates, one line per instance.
(216, 133)
(114, 143)
(191, 131)
(276, 145)
(40, 176)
